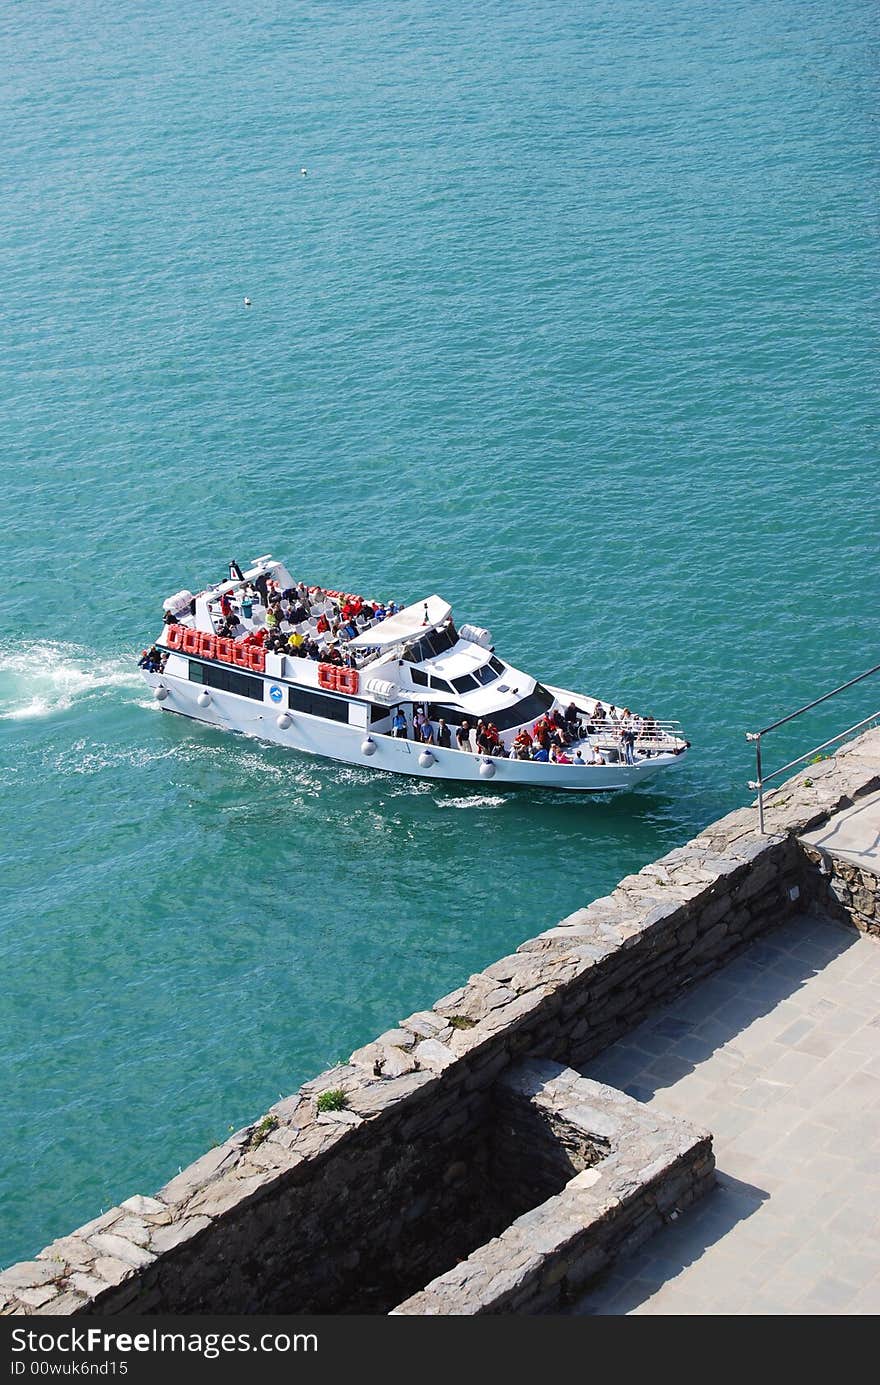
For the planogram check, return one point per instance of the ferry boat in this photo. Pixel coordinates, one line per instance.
(392, 688)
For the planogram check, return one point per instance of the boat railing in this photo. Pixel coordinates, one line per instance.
(761, 778)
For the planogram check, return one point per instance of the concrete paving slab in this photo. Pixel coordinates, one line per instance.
(853, 834)
(789, 1087)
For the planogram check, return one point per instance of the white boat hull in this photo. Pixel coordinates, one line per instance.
(346, 744)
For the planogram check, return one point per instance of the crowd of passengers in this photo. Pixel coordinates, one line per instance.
(297, 606)
(550, 739)
(153, 659)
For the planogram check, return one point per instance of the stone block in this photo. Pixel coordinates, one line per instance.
(61, 1305)
(396, 1038)
(396, 1061)
(28, 1274)
(34, 1298)
(111, 1270)
(143, 1206)
(425, 1023)
(196, 1175)
(121, 1249)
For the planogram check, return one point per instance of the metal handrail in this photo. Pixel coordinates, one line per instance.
(761, 779)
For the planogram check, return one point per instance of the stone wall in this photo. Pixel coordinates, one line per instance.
(630, 1171)
(311, 1210)
(844, 890)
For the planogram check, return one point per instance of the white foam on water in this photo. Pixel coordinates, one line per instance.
(91, 757)
(41, 678)
(475, 801)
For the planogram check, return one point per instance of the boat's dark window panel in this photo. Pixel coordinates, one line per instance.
(528, 709)
(420, 679)
(443, 639)
(429, 646)
(486, 674)
(496, 664)
(226, 680)
(466, 683)
(441, 685)
(317, 704)
(379, 714)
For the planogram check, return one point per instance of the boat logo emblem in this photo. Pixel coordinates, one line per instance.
(275, 693)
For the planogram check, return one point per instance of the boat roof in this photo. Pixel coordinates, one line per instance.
(413, 620)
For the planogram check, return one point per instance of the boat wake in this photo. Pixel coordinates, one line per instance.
(50, 676)
(482, 800)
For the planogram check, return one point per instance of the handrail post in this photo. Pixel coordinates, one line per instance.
(758, 782)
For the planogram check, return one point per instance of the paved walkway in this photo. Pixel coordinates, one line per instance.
(853, 834)
(779, 1056)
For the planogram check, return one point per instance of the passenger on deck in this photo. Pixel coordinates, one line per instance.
(463, 736)
(483, 739)
(559, 757)
(225, 605)
(398, 726)
(170, 618)
(262, 585)
(522, 745)
(150, 660)
(426, 733)
(541, 754)
(572, 720)
(628, 741)
(443, 737)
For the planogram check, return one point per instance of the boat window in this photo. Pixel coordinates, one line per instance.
(486, 674)
(522, 713)
(466, 683)
(526, 710)
(496, 664)
(440, 684)
(430, 645)
(420, 679)
(443, 639)
(317, 704)
(379, 714)
(226, 680)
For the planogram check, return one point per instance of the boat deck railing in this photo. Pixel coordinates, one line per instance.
(761, 778)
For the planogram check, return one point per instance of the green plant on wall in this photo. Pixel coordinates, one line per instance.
(264, 1129)
(333, 1100)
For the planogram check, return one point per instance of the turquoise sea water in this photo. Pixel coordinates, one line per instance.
(573, 320)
